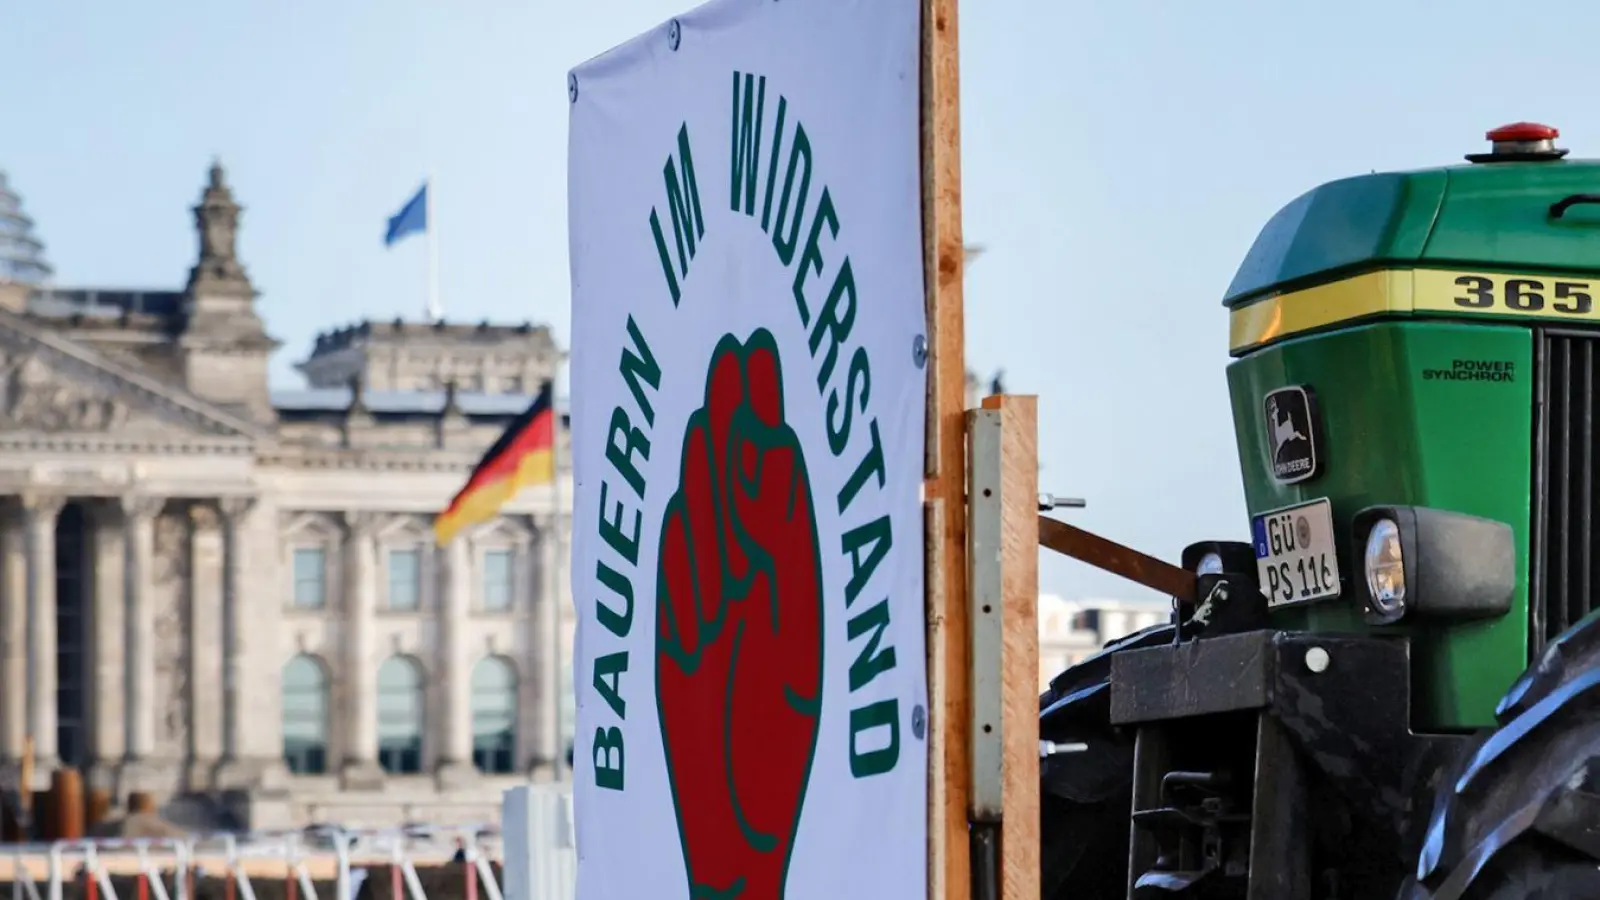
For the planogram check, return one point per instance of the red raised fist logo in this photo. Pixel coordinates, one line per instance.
(739, 641)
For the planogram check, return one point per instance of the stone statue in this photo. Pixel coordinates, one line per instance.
(33, 398)
(217, 219)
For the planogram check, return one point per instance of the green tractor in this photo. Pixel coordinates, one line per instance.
(1393, 690)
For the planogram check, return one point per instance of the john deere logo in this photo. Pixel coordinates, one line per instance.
(1292, 439)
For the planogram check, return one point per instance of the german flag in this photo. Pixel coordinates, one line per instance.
(523, 456)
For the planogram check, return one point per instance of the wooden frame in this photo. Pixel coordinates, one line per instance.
(1018, 873)
(949, 745)
(949, 602)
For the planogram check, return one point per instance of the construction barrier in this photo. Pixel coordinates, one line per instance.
(541, 857)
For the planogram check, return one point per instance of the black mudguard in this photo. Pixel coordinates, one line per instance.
(1077, 708)
(1519, 813)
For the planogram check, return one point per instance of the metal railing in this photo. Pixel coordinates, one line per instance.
(165, 868)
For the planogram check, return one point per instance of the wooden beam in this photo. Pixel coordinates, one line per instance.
(945, 540)
(1110, 556)
(1019, 654)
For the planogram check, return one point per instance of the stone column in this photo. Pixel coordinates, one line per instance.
(234, 511)
(41, 511)
(13, 631)
(139, 721)
(108, 663)
(547, 650)
(455, 664)
(361, 770)
(205, 639)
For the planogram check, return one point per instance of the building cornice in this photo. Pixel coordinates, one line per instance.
(274, 456)
(175, 445)
(304, 459)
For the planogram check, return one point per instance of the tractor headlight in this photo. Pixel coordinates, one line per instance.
(1384, 565)
(1430, 563)
(1220, 557)
(1220, 567)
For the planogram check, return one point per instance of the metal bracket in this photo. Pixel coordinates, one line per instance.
(985, 596)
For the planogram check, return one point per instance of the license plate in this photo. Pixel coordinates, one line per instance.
(1296, 556)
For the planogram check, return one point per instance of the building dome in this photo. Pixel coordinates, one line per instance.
(21, 251)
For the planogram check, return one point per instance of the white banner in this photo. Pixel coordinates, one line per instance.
(748, 403)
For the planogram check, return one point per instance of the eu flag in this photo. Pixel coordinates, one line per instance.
(412, 218)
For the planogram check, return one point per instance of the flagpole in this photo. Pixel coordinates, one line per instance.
(557, 571)
(434, 311)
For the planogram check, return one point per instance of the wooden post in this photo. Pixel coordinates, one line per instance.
(1019, 645)
(945, 540)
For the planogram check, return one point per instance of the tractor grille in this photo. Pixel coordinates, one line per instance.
(1566, 516)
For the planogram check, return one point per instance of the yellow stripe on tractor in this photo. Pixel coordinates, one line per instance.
(1432, 292)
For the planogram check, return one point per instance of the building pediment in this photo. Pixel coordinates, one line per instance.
(50, 385)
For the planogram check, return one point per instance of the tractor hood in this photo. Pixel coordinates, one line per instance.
(1498, 212)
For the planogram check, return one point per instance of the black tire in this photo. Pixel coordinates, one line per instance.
(1083, 847)
(1533, 802)
(1533, 868)
(1536, 868)
(1086, 798)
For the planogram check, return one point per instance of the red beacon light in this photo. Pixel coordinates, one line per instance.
(1520, 142)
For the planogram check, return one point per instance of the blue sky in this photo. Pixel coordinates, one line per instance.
(1119, 159)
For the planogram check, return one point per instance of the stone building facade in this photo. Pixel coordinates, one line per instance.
(231, 596)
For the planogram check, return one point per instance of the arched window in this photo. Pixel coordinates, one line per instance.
(305, 716)
(494, 715)
(400, 716)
